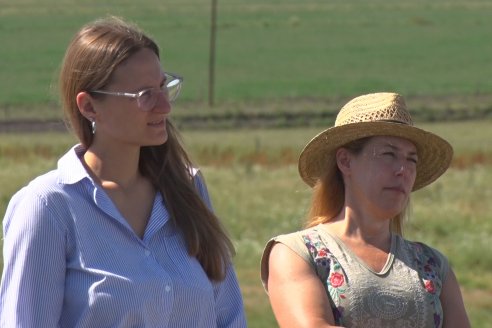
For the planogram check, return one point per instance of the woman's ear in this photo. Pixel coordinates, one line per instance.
(85, 103)
(343, 157)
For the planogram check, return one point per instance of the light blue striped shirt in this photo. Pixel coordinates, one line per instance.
(72, 260)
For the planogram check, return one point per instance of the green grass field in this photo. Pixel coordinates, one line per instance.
(267, 51)
(255, 188)
(285, 56)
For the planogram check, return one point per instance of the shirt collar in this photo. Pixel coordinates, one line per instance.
(70, 167)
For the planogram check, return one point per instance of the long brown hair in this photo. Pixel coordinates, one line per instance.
(90, 60)
(328, 195)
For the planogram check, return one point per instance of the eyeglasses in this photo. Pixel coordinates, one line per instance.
(146, 99)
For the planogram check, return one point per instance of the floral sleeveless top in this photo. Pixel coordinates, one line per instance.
(404, 294)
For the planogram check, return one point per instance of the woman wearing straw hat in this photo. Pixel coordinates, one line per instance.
(351, 267)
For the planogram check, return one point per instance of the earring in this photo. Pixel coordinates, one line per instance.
(93, 125)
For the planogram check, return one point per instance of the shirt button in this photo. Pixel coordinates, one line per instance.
(168, 288)
(147, 252)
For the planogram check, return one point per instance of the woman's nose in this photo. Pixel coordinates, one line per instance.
(162, 104)
(400, 170)
(402, 167)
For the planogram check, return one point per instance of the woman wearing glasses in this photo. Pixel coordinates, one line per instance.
(122, 233)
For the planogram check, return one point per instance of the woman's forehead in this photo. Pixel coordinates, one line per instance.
(393, 142)
(142, 69)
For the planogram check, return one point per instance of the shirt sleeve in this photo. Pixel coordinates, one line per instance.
(294, 242)
(228, 299)
(32, 285)
(228, 302)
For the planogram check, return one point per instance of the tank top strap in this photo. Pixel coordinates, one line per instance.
(328, 270)
(319, 252)
(428, 266)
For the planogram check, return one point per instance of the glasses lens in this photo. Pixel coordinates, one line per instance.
(173, 87)
(147, 99)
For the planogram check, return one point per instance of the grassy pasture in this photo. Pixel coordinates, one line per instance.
(253, 181)
(266, 50)
(284, 56)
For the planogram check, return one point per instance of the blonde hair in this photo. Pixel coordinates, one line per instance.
(90, 60)
(328, 195)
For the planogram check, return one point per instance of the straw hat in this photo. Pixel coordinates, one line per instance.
(377, 114)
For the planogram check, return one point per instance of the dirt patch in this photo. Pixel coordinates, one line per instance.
(26, 126)
(287, 112)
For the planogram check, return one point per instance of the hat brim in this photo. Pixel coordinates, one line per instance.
(434, 153)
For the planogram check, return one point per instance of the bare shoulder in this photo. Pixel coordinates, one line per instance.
(452, 303)
(290, 274)
(284, 261)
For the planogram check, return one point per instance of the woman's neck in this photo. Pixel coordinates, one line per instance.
(113, 168)
(362, 228)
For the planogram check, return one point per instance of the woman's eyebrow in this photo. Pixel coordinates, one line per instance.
(396, 148)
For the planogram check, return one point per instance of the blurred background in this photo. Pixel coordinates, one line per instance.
(277, 74)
